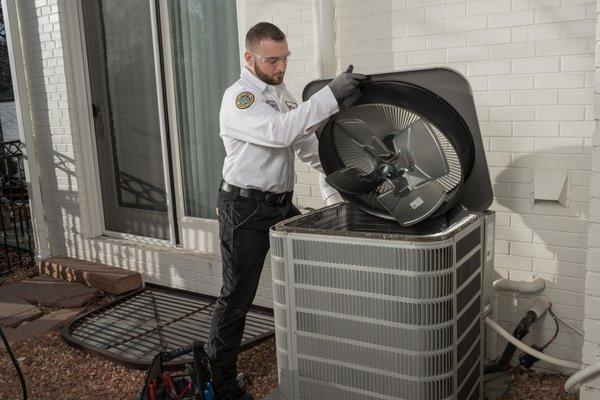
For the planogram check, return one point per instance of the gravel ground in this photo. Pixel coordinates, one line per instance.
(54, 370)
(528, 385)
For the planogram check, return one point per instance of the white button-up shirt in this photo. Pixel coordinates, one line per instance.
(262, 127)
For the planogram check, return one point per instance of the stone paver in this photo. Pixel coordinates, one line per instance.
(46, 323)
(48, 291)
(14, 310)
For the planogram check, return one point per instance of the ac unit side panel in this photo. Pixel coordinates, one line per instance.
(280, 276)
(379, 319)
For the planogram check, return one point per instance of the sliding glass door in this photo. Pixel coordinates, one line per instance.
(157, 72)
(205, 56)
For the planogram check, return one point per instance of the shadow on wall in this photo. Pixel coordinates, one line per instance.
(63, 218)
(537, 236)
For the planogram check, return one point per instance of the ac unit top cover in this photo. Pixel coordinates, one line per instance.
(409, 149)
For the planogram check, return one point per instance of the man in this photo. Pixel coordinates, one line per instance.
(262, 126)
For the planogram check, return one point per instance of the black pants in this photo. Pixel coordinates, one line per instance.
(244, 234)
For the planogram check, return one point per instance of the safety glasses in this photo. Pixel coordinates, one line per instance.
(273, 60)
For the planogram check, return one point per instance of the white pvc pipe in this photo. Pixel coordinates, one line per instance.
(324, 38)
(529, 350)
(576, 378)
(534, 286)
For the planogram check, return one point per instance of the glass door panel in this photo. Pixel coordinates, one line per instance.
(121, 63)
(205, 61)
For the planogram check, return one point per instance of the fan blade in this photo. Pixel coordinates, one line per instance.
(360, 132)
(400, 186)
(352, 180)
(404, 160)
(414, 205)
(427, 152)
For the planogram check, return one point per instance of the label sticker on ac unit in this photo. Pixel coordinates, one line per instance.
(416, 203)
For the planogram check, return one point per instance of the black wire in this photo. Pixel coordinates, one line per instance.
(555, 331)
(15, 363)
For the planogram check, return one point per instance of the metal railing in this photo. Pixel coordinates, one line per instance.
(16, 241)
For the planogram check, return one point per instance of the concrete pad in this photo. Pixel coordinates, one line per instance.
(46, 323)
(14, 310)
(49, 291)
(104, 277)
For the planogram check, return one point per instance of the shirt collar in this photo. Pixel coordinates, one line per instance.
(255, 81)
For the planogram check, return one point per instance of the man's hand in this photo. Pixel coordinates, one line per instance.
(345, 85)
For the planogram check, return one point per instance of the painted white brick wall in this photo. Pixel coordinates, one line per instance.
(531, 68)
(591, 347)
(50, 115)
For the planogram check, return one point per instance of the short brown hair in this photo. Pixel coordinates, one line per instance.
(262, 31)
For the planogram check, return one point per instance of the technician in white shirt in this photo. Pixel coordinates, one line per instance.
(262, 127)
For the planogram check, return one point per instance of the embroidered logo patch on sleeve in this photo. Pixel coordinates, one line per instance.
(244, 100)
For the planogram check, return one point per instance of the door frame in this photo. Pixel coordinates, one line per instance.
(191, 230)
(197, 234)
(80, 88)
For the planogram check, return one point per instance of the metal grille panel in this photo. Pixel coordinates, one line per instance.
(133, 329)
(377, 381)
(377, 317)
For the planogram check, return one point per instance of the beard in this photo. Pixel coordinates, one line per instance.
(273, 79)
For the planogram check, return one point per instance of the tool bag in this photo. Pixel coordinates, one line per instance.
(194, 384)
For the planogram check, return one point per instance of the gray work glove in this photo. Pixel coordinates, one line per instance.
(345, 86)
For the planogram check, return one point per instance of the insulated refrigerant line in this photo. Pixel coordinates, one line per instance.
(529, 350)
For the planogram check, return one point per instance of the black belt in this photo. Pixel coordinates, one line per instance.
(256, 194)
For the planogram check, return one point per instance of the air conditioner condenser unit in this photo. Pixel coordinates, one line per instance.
(367, 309)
